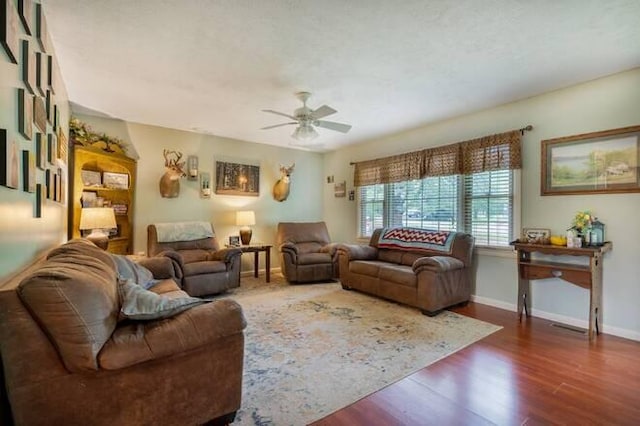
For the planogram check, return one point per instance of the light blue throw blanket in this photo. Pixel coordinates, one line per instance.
(183, 231)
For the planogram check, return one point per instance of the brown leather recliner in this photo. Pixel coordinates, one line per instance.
(70, 360)
(203, 268)
(306, 252)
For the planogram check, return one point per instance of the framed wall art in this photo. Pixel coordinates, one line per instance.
(50, 74)
(8, 161)
(41, 152)
(41, 27)
(28, 65)
(39, 114)
(25, 10)
(40, 73)
(25, 113)
(237, 179)
(37, 210)
(28, 171)
(592, 163)
(51, 148)
(9, 30)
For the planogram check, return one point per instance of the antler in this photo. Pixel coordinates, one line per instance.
(168, 162)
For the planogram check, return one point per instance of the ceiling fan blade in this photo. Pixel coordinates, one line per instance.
(332, 125)
(278, 125)
(323, 111)
(280, 113)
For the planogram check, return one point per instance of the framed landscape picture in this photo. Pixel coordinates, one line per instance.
(39, 114)
(28, 66)
(8, 161)
(41, 27)
(41, 72)
(9, 29)
(41, 152)
(592, 163)
(28, 171)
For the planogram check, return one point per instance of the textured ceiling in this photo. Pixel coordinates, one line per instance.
(211, 66)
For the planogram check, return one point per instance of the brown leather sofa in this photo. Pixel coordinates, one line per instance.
(430, 280)
(69, 360)
(203, 268)
(306, 252)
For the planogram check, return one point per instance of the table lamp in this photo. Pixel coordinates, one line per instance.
(245, 219)
(98, 219)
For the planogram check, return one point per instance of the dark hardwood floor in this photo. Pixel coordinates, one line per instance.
(529, 373)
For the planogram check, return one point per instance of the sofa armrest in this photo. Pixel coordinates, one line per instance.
(289, 247)
(142, 341)
(437, 264)
(357, 251)
(161, 267)
(226, 254)
(176, 259)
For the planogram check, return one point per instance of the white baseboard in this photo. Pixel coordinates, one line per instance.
(615, 331)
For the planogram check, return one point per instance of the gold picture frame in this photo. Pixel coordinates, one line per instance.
(592, 163)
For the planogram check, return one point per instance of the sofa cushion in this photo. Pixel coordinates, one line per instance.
(392, 256)
(138, 342)
(205, 267)
(195, 255)
(399, 274)
(74, 298)
(165, 286)
(308, 247)
(140, 304)
(314, 258)
(366, 267)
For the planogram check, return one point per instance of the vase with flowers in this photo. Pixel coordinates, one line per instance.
(581, 224)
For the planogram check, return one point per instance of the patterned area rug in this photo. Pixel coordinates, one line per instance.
(313, 349)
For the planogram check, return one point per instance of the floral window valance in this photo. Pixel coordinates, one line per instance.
(495, 152)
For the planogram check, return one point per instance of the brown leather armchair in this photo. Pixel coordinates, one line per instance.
(306, 252)
(202, 267)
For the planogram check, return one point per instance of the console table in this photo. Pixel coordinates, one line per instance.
(256, 249)
(585, 276)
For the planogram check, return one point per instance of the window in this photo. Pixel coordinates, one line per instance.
(482, 204)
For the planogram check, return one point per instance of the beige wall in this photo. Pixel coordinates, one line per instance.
(606, 103)
(23, 237)
(304, 202)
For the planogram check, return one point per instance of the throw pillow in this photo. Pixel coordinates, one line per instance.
(138, 303)
(128, 269)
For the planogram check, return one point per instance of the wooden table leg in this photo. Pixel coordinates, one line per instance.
(524, 299)
(256, 261)
(268, 263)
(595, 296)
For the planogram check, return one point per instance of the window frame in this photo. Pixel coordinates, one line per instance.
(461, 210)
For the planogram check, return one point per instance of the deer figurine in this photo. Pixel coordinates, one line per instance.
(170, 180)
(281, 188)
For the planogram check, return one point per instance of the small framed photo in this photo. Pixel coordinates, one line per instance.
(234, 240)
(91, 178)
(536, 235)
(115, 180)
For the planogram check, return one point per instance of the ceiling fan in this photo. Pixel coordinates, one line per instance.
(307, 118)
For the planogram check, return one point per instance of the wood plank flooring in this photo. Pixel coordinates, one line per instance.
(529, 373)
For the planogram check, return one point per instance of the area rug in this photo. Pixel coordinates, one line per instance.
(313, 349)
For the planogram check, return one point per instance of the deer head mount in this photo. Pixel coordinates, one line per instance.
(170, 180)
(281, 188)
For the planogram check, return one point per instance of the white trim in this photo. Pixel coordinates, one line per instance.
(615, 331)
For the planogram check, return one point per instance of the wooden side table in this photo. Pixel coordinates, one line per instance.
(256, 249)
(585, 276)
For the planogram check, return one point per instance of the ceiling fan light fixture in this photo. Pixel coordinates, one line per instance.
(304, 132)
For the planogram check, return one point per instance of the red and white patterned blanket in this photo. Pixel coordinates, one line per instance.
(416, 239)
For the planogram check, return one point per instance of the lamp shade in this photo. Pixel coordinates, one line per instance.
(97, 218)
(304, 132)
(245, 218)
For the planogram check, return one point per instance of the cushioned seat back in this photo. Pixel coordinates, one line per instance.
(461, 248)
(154, 246)
(303, 232)
(74, 298)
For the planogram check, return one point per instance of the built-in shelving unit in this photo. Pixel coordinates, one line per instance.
(106, 179)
